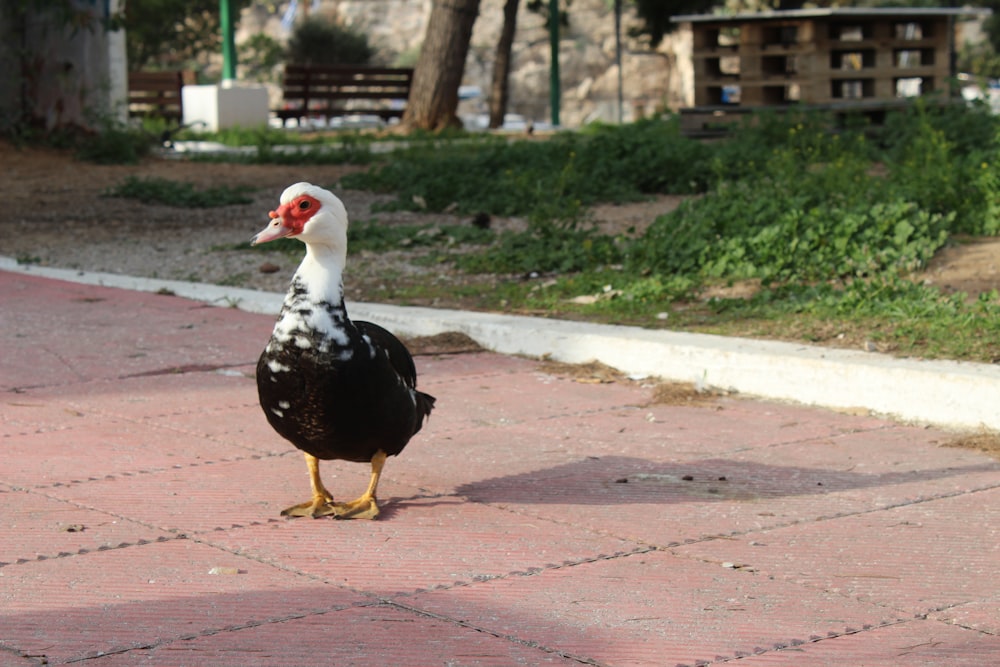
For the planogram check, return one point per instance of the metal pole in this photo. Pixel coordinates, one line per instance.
(554, 91)
(228, 41)
(618, 59)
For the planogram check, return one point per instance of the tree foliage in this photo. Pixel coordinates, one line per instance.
(320, 41)
(656, 15)
(165, 34)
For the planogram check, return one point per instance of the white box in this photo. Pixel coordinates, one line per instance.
(213, 108)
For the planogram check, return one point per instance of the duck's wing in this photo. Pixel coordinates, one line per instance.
(399, 357)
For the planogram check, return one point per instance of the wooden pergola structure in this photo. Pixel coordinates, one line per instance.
(848, 60)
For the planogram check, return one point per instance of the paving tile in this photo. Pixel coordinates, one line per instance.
(536, 519)
(11, 658)
(449, 454)
(982, 615)
(214, 493)
(100, 446)
(917, 558)
(79, 606)
(650, 609)
(221, 405)
(416, 544)
(33, 526)
(445, 461)
(162, 331)
(439, 369)
(486, 400)
(915, 643)
(376, 635)
(157, 396)
(653, 497)
(723, 426)
(28, 412)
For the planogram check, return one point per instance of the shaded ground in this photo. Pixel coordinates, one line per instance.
(56, 215)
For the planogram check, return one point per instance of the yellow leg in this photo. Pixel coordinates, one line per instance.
(320, 505)
(364, 507)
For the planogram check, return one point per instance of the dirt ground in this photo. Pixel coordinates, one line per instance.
(56, 214)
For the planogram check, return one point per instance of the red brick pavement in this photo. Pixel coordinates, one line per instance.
(536, 520)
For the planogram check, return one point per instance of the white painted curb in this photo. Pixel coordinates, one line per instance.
(947, 393)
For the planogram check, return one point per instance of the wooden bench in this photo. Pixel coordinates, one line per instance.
(341, 90)
(158, 94)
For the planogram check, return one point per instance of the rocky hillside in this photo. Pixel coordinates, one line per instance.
(651, 79)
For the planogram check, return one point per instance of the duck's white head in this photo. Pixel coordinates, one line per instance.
(309, 213)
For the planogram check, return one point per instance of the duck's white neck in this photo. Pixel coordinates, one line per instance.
(322, 271)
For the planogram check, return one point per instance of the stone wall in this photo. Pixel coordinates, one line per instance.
(652, 80)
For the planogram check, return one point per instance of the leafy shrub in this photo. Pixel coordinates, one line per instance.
(319, 41)
(260, 54)
(546, 247)
(791, 202)
(543, 180)
(114, 145)
(939, 169)
(648, 157)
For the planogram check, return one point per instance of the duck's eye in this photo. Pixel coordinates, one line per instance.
(304, 204)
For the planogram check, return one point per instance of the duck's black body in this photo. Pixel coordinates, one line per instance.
(335, 389)
(343, 395)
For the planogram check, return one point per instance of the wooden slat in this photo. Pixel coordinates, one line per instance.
(158, 93)
(327, 90)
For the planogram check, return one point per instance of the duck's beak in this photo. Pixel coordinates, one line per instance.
(276, 230)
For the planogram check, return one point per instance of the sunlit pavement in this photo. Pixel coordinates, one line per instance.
(535, 520)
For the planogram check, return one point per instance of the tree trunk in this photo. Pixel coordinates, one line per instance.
(501, 65)
(433, 99)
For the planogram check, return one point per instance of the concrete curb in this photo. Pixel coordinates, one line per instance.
(947, 393)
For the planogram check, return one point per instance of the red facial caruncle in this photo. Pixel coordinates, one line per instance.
(289, 220)
(296, 213)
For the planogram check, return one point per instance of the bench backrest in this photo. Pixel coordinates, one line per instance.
(158, 93)
(329, 83)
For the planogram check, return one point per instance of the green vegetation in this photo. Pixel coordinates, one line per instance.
(175, 193)
(320, 41)
(544, 180)
(826, 227)
(796, 228)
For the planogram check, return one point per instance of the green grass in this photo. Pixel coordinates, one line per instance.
(829, 224)
(177, 193)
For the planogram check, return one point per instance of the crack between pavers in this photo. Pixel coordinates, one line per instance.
(257, 455)
(796, 644)
(527, 572)
(373, 600)
(819, 519)
(981, 631)
(528, 643)
(204, 538)
(83, 551)
(35, 658)
(209, 632)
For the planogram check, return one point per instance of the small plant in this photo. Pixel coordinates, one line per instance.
(319, 41)
(176, 193)
(546, 247)
(114, 144)
(554, 179)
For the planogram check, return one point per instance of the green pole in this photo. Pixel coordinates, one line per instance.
(554, 91)
(228, 41)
